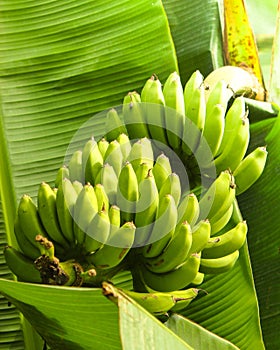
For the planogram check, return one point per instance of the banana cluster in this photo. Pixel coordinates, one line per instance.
(119, 203)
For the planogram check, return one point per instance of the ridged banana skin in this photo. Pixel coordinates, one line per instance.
(219, 95)
(162, 169)
(46, 201)
(125, 143)
(200, 236)
(85, 209)
(250, 169)
(175, 114)
(152, 95)
(75, 167)
(173, 280)
(63, 172)
(175, 253)
(134, 117)
(108, 178)
(114, 126)
(163, 229)
(142, 172)
(141, 152)
(220, 223)
(193, 83)
(188, 209)
(127, 192)
(101, 197)
(29, 219)
(146, 209)
(30, 250)
(113, 156)
(103, 145)
(96, 233)
(115, 218)
(21, 266)
(66, 197)
(183, 298)
(218, 265)
(171, 185)
(116, 248)
(226, 243)
(92, 161)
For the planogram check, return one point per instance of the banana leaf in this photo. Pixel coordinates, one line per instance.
(63, 62)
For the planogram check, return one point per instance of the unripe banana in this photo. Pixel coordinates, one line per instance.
(146, 209)
(85, 209)
(21, 266)
(183, 298)
(127, 192)
(103, 145)
(154, 109)
(175, 114)
(226, 243)
(65, 201)
(116, 248)
(171, 185)
(218, 223)
(179, 278)
(102, 198)
(200, 236)
(161, 170)
(92, 161)
(108, 178)
(218, 265)
(78, 186)
(219, 94)
(141, 152)
(142, 171)
(46, 201)
(75, 167)
(113, 156)
(193, 83)
(175, 253)
(115, 218)
(62, 173)
(134, 118)
(188, 209)
(250, 169)
(97, 233)
(114, 125)
(163, 228)
(199, 278)
(124, 141)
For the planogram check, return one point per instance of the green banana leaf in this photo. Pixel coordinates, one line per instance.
(61, 63)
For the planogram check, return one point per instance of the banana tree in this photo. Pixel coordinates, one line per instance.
(63, 63)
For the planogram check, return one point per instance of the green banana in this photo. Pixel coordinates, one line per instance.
(115, 218)
(171, 185)
(92, 161)
(194, 82)
(175, 111)
(179, 278)
(108, 178)
(250, 169)
(200, 236)
(188, 209)
(217, 96)
(65, 201)
(102, 198)
(199, 278)
(175, 253)
(62, 173)
(218, 223)
(116, 247)
(103, 145)
(218, 265)
(134, 117)
(113, 156)
(163, 228)
(124, 141)
(85, 209)
(162, 169)
(114, 125)
(146, 209)
(152, 95)
(142, 171)
(97, 233)
(183, 298)
(141, 152)
(226, 243)
(21, 266)
(46, 200)
(75, 167)
(78, 186)
(127, 192)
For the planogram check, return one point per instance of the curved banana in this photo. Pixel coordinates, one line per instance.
(103, 145)
(114, 126)
(175, 253)
(108, 178)
(66, 197)
(188, 209)
(175, 111)
(146, 209)
(218, 265)
(179, 278)
(85, 209)
(218, 95)
(134, 118)
(171, 185)
(153, 97)
(75, 167)
(63, 172)
(92, 161)
(21, 266)
(127, 192)
(219, 222)
(124, 141)
(226, 243)
(250, 169)
(183, 298)
(46, 201)
(102, 198)
(78, 186)
(194, 82)
(142, 171)
(116, 247)
(141, 152)
(200, 236)
(115, 218)
(163, 228)
(162, 169)
(113, 156)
